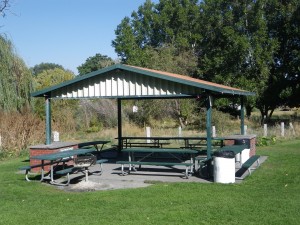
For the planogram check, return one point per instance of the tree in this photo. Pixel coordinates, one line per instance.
(15, 79)
(161, 36)
(252, 45)
(170, 22)
(63, 111)
(37, 69)
(94, 63)
(235, 49)
(96, 113)
(283, 25)
(4, 5)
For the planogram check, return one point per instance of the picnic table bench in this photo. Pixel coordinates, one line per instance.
(247, 165)
(76, 168)
(149, 151)
(184, 164)
(55, 158)
(29, 167)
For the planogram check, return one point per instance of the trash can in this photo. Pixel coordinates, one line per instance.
(224, 167)
(205, 168)
(245, 155)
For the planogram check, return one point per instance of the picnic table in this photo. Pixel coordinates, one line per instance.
(148, 152)
(151, 142)
(55, 159)
(159, 142)
(93, 143)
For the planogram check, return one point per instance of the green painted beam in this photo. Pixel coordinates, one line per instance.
(48, 120)
(242, 116)
(208, 125)
(120, 144)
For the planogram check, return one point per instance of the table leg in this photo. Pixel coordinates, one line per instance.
(51, 172)
(192, 161)
(186, 143)
(129, 159)
(86, 171)
(96, 147)
(42, 171)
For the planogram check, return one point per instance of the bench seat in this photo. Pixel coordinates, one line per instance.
(186, 165)
(29, 167)
(100, 161)
(146, 144)
(247, 165)
(64, 172)
(69, 170)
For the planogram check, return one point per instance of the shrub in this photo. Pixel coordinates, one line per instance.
(18, 131)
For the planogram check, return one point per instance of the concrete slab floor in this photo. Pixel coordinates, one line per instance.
(111, 177)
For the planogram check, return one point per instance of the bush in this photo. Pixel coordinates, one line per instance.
(265, 141)
(18, 131)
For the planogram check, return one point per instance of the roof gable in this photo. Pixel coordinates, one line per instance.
(125, 81)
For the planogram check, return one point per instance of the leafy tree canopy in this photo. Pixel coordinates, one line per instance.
(95, 63)
(63, 110)
(157, 25)
(37, 69)
(253, 45)
(15, 79)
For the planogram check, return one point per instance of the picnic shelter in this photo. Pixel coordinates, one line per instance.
(122, 82)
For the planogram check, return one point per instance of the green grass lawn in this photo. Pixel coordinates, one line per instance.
(271, 195)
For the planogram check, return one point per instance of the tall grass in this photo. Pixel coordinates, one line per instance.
(18, 130)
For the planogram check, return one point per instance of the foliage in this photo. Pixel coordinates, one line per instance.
(236, 50)
(97, 113)
(18, 131)
(37, 69)
(166, 58)
(63, 111)
(245, 44)
(15, 79)
(166, 23)
(284, 26)
(94, 63)
(265, 141)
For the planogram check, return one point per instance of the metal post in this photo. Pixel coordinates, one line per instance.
(120, 144)
(48, 120)
(242, 116)
(208, 125)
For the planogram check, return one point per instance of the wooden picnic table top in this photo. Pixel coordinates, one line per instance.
(161, 150)
(60, 155)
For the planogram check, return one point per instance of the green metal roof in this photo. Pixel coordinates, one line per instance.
(125, 81)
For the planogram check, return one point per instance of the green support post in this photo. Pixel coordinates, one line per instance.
(208, 125)
(120, 144)
(48, 120)
(242, 116)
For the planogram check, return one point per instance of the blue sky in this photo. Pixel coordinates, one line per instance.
(65, 32)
